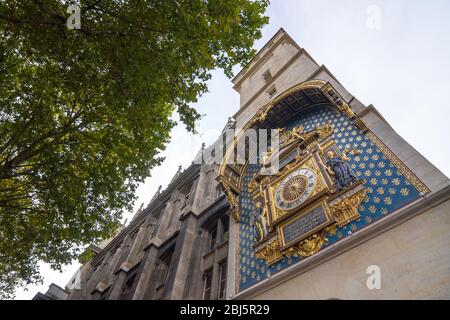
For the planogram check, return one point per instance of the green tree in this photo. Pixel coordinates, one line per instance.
(84, 113)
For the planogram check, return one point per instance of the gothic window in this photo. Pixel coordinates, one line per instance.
(225, 228)
(128, 285)
(222, 279)
(207, 282)
(155, 223)
(212, 238)
(164, 266)
(185, 191)
(126, 293)
(215, 256)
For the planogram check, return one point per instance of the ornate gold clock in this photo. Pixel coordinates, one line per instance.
(295, 186)
(303, 202)
(295, 189)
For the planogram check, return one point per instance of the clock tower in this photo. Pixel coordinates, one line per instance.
(342, 194)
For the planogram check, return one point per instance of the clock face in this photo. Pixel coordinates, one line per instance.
(295, 189)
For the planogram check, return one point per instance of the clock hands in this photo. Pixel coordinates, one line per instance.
(294, 189)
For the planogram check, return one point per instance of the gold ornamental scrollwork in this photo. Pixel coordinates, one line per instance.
(261, 115)
(234, 204)
(325, 130)
(346, 210)
(307, 247)
(336, 98)
(289, 136)
(312, 244)
(270, 252)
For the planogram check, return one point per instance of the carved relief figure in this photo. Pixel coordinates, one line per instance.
(259, 222)
(286, 137)
(297, 133)
(340, 170)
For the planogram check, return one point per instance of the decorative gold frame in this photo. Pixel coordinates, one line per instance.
(232, 175)
(320, 187)
(280, 229)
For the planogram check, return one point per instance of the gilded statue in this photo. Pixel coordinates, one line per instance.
(340, 170)
(297, 133)
(287, 137)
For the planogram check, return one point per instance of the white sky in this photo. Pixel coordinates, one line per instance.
(402, 69)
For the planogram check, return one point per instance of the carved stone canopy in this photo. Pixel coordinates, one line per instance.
(276, 113)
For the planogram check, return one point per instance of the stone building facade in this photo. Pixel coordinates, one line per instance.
(184, 228)
(197, 239)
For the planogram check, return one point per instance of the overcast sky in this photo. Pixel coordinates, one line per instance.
(400, 63)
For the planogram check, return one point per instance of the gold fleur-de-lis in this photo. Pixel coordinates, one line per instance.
(404, 192)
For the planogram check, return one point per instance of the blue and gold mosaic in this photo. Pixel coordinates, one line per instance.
(387, 191)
